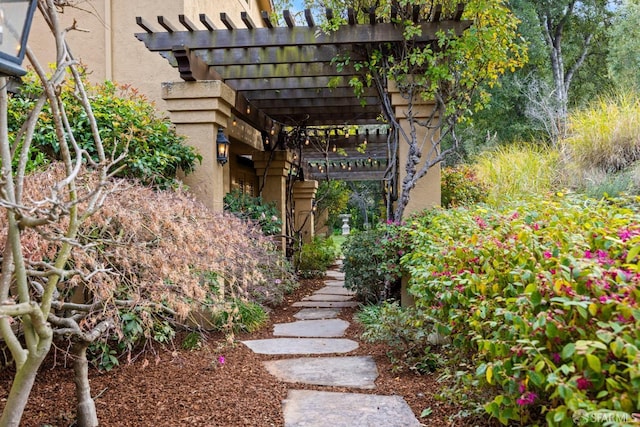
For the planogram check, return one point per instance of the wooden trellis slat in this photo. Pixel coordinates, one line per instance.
(186, 23)
(247, 20)
(316, 101)
(308, 93)
(207, 22)
(164, 23)
(266, 19)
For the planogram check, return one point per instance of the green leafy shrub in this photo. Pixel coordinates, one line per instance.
(315, 257)
(128, 123)
(254, 209)
(541, 297)
(461, 186)
(372, 262)
(405, 330)
(192, 341)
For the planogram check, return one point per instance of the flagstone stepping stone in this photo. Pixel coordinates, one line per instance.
(357, 371)
(334, 283)
(317, 313)
(334, 290)
(301, 345)
(322, 328)
(325, 304)
(327, 297)
(335, 274)
(310, 408)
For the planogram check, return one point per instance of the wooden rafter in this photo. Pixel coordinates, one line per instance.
(282, 74)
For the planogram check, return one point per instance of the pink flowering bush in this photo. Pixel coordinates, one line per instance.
(542, 298)
(461, 186)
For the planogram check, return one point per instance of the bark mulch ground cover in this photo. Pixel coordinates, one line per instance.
(171, 386)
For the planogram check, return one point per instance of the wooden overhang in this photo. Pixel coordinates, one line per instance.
(284, 76)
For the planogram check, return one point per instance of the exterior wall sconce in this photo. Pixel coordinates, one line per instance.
(15, 22)
(222, 147)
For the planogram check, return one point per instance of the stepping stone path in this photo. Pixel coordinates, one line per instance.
(318, 331)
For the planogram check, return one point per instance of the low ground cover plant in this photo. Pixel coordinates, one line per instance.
(540, 298)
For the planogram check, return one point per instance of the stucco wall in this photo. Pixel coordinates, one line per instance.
(109, 48)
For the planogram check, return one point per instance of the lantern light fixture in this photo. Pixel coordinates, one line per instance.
(15, 22)
(222, 147)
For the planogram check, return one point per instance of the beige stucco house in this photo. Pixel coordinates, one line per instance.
(225, 64)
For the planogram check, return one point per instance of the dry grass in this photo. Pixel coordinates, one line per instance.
(606, 135)
(518, 170)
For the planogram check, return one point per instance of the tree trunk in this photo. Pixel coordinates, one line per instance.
(22, 385)
(87, 415)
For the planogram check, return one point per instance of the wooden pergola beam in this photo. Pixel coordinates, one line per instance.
(285, 83)
(338, 101)
(309, 93)
(237, 38)
(270, 71)
(271, 55)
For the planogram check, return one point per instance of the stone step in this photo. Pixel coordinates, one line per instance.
(325, 304)
(321, 328)
(354, 371)
(317, 313)
(309, 408)
(336, 283)
(327, 297)
(301, 345)
(334, 290)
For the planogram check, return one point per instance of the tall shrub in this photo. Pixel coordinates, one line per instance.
(129, 124)
(461, 186)
(372, 262)
(254, 209)
(541, 298)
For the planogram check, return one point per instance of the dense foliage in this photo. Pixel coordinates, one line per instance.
(407, 332)
(152, 261)
(314, 258)
(127, 122)
(460, 186)
(372, 262)
(332, 198)
(254, 209)
(541, 299)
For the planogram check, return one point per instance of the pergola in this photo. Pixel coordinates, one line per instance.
(284, 77)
